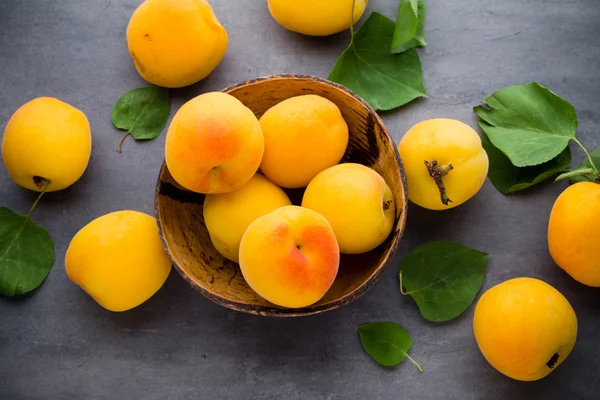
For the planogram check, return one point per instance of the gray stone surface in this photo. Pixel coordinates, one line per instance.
(58, 344)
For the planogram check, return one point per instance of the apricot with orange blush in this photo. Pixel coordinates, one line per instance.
(290, 256)
(214, 144)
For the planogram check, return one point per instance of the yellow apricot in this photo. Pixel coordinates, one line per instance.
(303, 136)
(358, 204)
(175, 43)
(573, 235)
(118, 259)
(316, 17)
(290, 256)
(214, 144)
(228, 215)
(46, 138)
(454, 152)
(525, 328)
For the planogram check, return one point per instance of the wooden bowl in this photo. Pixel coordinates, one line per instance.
(186, 238)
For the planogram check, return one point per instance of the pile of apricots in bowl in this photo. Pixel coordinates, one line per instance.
(288, 254)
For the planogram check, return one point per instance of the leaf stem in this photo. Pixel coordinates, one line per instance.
(588, 156)
(402, 292)
(577, 172)
(43, 183)
(405, 352)
(352, 20)
(414, 362)
(122, 140)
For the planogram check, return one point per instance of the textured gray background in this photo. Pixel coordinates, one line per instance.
(59, 344)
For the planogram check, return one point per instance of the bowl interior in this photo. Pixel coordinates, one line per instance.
(186, 238)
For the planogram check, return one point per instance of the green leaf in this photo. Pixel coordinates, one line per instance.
(386, 342)
(410, 22)
(443, 278)
(367, 67)
(528, 123)
(26, 253)
(142, 112)
(508, 179)
(586, 165)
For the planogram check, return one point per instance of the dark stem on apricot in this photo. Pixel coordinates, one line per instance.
(121, 142)
(437, 172)
(387, 204)
(553, 360)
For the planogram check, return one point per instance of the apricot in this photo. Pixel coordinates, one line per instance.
(228, 215)
(290, 256)
(118, 259)
(445, 163)
(316, 17)
(573, 236)
(214, 144)
(303, 136)
(175, 43)
(525, 328)
(46, 139)
(357, 202)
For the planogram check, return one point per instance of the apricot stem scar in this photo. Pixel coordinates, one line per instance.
(437, 172)
(553, 360)
(387, 204)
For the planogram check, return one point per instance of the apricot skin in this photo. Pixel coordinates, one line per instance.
(358, 204)
(214, 144)
(303, 136)
(175, 43)
(524, 328)
(573, 235)
(290, 256)
(118, 259)
(316, 17)
(46, 138)
(228, 215)
(446, 141)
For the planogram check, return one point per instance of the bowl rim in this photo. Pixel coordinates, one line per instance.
(313, 309)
